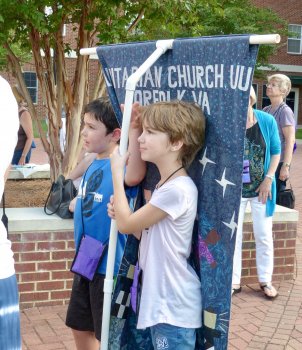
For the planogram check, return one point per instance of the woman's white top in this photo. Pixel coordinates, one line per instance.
(8, 139)
(171, 291)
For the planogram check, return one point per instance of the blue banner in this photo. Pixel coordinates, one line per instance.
(216, 73)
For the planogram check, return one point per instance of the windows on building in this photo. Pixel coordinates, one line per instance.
(31, 83)
(294, 42)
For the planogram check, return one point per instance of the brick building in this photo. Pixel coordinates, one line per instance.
(288, 57)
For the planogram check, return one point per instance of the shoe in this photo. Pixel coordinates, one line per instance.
(236, 290)
(269, 290)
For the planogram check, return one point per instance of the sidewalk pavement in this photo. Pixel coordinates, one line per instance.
(256, 323)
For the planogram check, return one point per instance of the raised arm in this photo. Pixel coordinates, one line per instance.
(136, 167)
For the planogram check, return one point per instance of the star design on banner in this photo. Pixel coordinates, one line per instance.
(224, 182)
(204, 161)
(232, 225)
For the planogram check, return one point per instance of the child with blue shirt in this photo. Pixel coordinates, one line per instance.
(101, 134)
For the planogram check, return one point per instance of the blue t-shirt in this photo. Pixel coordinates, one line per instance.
(94, 193)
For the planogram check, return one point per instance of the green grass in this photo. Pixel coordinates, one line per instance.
(299, 134)
(35, 128)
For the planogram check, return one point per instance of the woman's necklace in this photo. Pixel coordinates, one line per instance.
(169, 177)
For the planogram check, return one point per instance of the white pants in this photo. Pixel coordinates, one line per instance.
(263, 233)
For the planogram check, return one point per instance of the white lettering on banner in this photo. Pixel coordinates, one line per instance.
(186, 76)
(172, 70)
(203, 100)
(125, 77)
(180, 94)
(184, 79)
(240, 79)
(147, 97)
(196, 76)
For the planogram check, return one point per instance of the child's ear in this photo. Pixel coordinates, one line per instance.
(116, 134)
(176, 146)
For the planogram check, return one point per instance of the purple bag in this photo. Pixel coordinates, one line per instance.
(88, 257)
(135, 290)
(246, 178)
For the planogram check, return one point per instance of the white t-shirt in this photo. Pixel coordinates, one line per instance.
(171, 291)
(9, 125)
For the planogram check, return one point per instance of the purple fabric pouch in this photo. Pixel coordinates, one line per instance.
(88, 257)
(135, 290)
(246, 178)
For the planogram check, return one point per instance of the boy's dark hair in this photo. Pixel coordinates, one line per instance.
(102, 111)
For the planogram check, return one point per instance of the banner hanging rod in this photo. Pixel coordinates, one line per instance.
(254, 39)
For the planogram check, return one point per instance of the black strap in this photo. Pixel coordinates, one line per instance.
(58, 207)
(82, 199)
(4, 217)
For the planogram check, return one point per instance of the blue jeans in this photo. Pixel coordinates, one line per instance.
(165, 336)
(10, 337)
(17, 155)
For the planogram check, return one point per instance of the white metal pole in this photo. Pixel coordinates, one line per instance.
(162, 47)
(253, 39)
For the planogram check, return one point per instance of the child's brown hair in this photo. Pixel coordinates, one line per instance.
(181, 121)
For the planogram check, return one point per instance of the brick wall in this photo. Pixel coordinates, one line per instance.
(42, 262)
(284, 252)
(43, 257)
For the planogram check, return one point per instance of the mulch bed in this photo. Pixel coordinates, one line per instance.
(26, 193)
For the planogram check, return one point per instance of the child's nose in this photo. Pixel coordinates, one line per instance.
(140, 138)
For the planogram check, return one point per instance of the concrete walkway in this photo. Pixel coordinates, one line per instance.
(256, 323)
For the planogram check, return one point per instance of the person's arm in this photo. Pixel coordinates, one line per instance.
(136, 167)
(81, 167)
(289, 136)
(127, 221)
(72, 205)
(265, 189)
(26, 123)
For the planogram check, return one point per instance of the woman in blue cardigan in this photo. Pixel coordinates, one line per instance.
(261, 157)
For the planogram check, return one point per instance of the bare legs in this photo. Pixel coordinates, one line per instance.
(85, 340)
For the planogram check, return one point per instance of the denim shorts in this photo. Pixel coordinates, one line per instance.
(165, 336)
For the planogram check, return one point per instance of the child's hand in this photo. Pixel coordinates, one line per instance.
(136, 113)
(72, 205)
(110, 208)
(118, 162)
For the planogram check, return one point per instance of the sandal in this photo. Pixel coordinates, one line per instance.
(269, 290)
(236, 290)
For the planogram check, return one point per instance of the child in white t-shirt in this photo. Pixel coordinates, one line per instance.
(170, 302)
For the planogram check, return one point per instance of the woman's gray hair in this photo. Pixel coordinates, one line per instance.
(284, 82)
